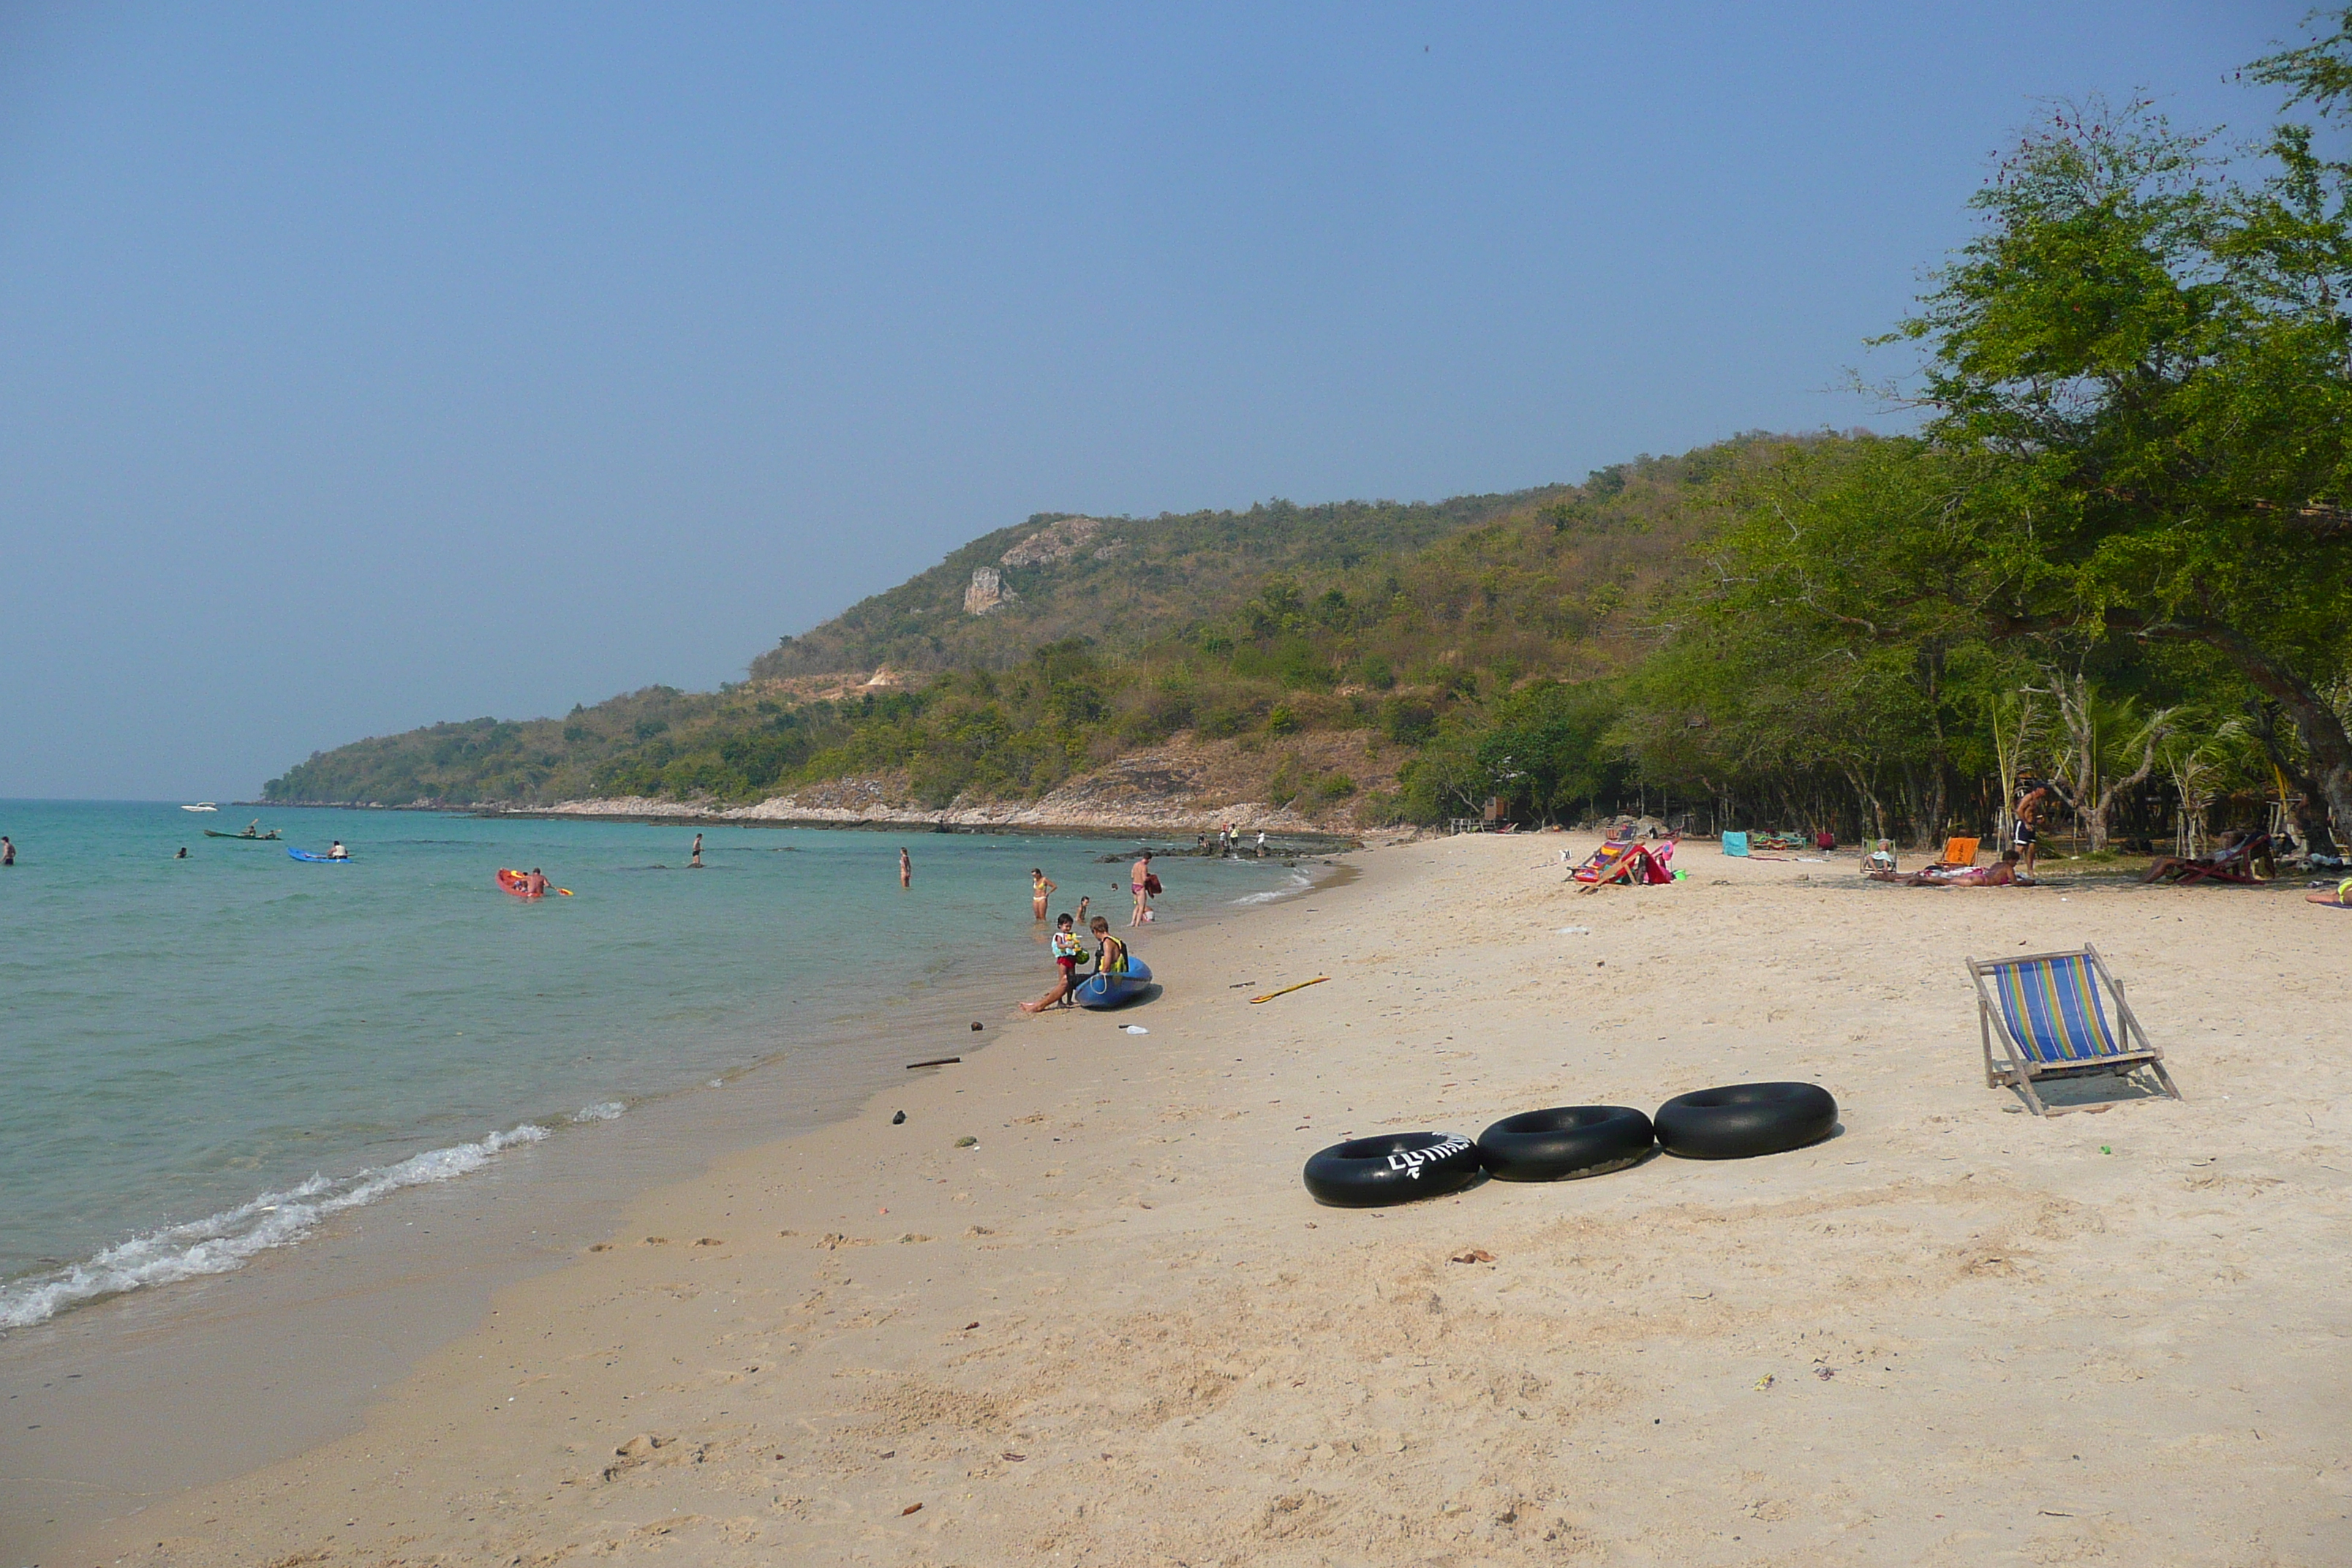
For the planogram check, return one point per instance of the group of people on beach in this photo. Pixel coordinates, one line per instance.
(1069, 952)
(1069, 930)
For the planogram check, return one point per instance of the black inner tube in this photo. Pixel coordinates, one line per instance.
(1742, 1120)
(1564, 1143)
(1391, 1168)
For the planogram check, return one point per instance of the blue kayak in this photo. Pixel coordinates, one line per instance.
(1115, 990)
(317, 860)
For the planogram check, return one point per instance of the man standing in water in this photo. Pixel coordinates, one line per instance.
(906, 869)
(535, 885)
(1139, 879)
(697, 860)
(7, 850)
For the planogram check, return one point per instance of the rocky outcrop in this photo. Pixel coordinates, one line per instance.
(1054, 541)
(986, 592)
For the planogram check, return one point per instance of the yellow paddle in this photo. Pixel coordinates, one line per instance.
(1289, 989)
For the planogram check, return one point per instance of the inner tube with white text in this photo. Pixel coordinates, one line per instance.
(1391, 1168)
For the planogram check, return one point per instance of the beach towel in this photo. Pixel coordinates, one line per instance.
(1735, 844)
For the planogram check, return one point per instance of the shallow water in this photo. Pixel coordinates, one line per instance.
(205, 1059)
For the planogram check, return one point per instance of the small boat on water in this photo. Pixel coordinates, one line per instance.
(1117, 988)
(201, 805)
(515, 882)
(294, 854)
(248, 835)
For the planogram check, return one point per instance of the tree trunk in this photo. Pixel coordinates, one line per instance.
(2315, 721)
(2310, 809)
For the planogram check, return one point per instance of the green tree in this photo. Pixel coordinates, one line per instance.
(2154, 354)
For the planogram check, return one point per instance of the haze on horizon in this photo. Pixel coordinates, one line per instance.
(372, 368)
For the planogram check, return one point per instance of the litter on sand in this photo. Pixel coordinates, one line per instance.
(934, 1062)
(1573, 931)
(1134, 1029)
(1289, 989)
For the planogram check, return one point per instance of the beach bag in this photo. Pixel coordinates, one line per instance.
(1152, 883)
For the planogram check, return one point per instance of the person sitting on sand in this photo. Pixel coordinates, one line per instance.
(1040, 887)
(2233, 843)
(1068, 951)
(1110, 953)
(2001, 876)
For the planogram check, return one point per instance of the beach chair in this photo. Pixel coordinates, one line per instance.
(2245, 864)
(2051, 1021)
(1957, 852)
(1637, 867)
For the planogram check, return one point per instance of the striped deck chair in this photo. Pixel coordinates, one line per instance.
(2052, 1021)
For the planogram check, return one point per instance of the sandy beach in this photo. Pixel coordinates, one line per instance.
(1115, 1330)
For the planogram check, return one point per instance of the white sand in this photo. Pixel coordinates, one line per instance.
(1953, 1334)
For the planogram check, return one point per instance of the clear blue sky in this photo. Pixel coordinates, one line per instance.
(364, 366)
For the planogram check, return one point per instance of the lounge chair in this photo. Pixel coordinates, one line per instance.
(1957, 852)
(2246, 863)
(1635, 865)
(2051, 1021)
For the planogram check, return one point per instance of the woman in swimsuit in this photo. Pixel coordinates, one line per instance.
(1040, 887)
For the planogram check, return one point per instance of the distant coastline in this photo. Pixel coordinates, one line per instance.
(1284, 829)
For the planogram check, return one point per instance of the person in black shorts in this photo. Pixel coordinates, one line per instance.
(2025, 838)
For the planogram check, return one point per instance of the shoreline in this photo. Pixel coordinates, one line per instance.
(1112, 1326)
(989, 819)
(357, 1302)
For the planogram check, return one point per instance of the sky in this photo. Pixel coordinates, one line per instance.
(367, 366)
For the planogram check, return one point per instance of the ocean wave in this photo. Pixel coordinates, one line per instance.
(220, 1243)
(604, 1111)
(1297, 882)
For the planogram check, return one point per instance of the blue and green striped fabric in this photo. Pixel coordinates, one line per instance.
(2053, 1008)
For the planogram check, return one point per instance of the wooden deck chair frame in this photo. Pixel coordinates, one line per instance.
(2019, 1069)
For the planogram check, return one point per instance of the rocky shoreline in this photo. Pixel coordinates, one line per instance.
(1157, 792)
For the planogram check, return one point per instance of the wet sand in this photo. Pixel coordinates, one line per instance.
(1114, 1328)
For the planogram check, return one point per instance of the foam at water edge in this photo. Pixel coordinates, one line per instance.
(222, 1242)
(1298, 882)
(604, 1111)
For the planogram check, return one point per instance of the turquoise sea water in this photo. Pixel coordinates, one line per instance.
(202, 1059)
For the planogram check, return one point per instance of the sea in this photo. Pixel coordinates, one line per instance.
(206, 1059)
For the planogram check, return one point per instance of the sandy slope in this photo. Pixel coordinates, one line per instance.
(1117, 1331)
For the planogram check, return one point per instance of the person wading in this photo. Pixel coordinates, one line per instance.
(1139, 881)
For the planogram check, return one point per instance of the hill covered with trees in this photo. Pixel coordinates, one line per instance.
(2117, 553)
